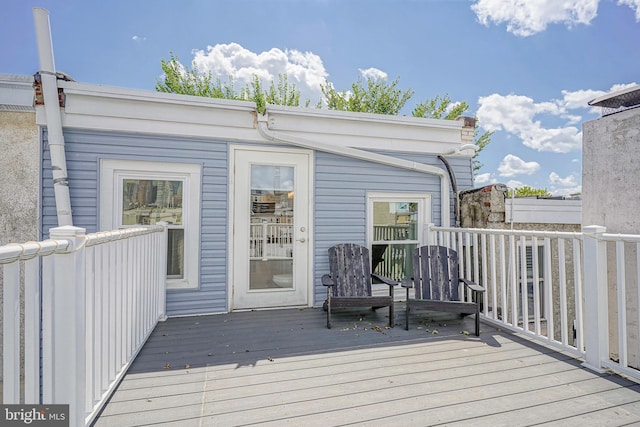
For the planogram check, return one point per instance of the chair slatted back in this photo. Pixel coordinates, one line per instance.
(350, 268)
(435, 273)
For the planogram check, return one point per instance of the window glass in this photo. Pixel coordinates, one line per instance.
(146, 202)
(395, 235)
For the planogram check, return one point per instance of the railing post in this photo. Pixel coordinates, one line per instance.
(69, 323)
(162, 271)
(429, 234)
(596, 329)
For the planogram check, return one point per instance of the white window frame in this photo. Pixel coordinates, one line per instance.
(423, 218)
(112, 174)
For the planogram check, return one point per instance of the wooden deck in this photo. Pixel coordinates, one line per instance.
(283, 367)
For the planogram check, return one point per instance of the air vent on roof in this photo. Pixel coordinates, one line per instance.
(618, 101)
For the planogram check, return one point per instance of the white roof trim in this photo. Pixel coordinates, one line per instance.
(97, 107)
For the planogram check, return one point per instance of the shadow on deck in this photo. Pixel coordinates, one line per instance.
(283, 367)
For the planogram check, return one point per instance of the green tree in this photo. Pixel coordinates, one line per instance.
(373, 96)
(444, 108)
(178, 78)
(526, 191)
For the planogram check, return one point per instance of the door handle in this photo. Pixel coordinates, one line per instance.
(301, 240)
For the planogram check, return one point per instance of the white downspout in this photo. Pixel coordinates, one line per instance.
(52, 116)
(263, 128)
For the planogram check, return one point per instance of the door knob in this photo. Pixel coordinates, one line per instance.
(302, 240)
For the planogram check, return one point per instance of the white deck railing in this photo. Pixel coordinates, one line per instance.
(581, 294)
(90, 302)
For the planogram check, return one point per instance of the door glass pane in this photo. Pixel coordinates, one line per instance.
(271, 227)
(394, 222)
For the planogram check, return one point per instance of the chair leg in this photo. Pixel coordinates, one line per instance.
(406, 319)
(391, 315)
(477, 319)
(328, 311)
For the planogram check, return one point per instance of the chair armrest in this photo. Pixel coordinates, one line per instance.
(471, 285)
(384, 279)
(327, 280)
(407, 282)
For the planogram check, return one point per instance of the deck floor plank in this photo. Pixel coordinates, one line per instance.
(283, 367)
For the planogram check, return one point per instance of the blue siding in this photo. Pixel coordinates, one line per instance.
(341, 186)
(85, 149)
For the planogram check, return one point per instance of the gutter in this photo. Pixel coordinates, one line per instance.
(263, 129)
(53, 118)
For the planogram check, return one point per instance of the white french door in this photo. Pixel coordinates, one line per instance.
(271, 228)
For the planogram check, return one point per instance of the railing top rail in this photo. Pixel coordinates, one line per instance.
(610, 237)
(23, 251)
(509, 232)
(101, 237)
(13, 252)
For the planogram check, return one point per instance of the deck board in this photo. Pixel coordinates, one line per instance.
(283, 367)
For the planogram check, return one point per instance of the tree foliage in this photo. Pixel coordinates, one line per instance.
(373, 96)
(526, 191)
(444, 108)
(183, 80)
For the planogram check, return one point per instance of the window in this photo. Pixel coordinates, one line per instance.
(145, 193)
(396, 224)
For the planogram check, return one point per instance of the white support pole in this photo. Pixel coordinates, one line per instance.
(596, 330)
(53, 116)
(162, 271)
(69, 324)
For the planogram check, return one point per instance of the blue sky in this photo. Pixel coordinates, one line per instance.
(526, 68)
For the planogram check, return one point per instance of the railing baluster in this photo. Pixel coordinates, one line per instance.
(578, 286)
(622, 303)
(513, 281)
(32, 330)
(562, 284)
(493, 285)
(536, 285)
(548, 289)
(503, 280)
(11, 336)
(524, 283)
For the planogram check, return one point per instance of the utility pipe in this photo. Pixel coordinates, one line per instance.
(52, 116)
(263, 129)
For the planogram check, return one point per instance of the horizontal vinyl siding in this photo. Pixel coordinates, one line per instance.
(84, 151)
(341, 187)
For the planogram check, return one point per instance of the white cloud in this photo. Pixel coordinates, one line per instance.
(516, 114)
(513, 165)
(512, 183)
(304, 69)
(634, 5)
(564, 186)
(527, 17)
(519, 115)
(373, 73)
(484, 179)
(138, 39)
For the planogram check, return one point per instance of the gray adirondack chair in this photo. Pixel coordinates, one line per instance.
(349, 281)
(436, 283)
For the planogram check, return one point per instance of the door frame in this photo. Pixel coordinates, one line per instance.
(233, 149)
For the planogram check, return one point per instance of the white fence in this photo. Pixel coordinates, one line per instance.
(575, 291)
(89, 303)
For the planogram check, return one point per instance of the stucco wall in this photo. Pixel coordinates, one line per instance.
(611, 198)
(19, 173)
